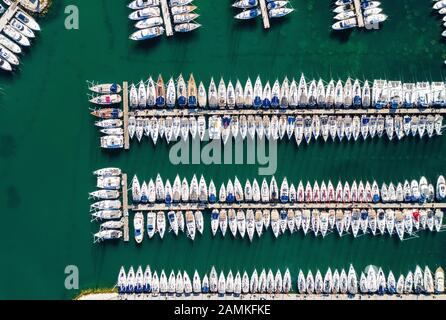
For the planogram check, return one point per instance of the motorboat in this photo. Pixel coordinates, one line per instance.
(160, 223)
(173, 221)
(345, 24)
(106, 100)
(147, 33)
(214, 221)
(16, 35)
(190, 225)
(151, 224)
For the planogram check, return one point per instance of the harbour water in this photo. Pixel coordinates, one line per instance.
(48, 146)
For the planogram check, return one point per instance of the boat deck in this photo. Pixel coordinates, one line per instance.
(8, 15)
(166, 18)
(265, 16)
(358, 11)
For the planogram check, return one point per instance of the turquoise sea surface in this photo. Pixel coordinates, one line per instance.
(49, 147)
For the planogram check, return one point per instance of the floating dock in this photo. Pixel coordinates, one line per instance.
(358, 11)
(166, 18)
(278, 205)
(125, 107)
(8, 15)
(286, 111)
(125, 208)
(265, 16)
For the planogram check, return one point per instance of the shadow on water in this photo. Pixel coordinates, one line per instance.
(8, 146)
(113, 154)
(434, 14)
(8, 76)
(185, 37)
(341, 36)
(249, 25)
(12, 197)
(279, 22)
(149, 44)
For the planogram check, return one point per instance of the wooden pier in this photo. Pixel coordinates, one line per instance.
(358, 11)
(166, 18)
(125, 107)
(287, 111)
(125, 207)
(277, 205)
(265, 16)
(8, 15)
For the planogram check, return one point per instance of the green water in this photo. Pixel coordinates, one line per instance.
(48, 146)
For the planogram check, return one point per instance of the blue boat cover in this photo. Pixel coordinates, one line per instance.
(182, 101)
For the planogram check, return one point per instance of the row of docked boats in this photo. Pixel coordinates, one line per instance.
(183, 15)
(251, 9)
(149, 18)
(280, 95)
(406, 222)
(303, 128)
(323, 222)
(181, 284)
(17, 33)
(346, 15)
(159, 191)
(372, 280)
(110, 125)
(189, 223)
(107, 205)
